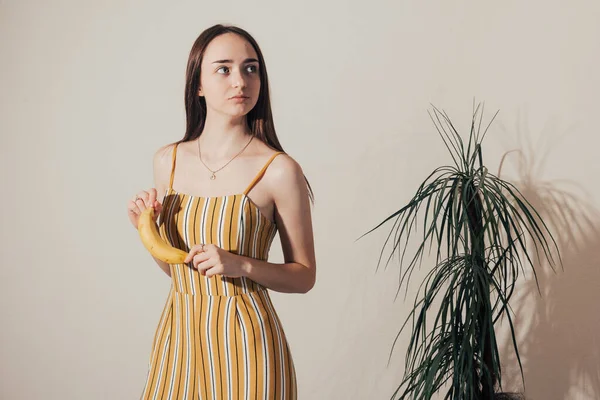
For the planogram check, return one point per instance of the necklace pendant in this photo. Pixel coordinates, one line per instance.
(213, 177)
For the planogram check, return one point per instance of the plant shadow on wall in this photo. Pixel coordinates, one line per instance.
(558, 332)
(477, 226)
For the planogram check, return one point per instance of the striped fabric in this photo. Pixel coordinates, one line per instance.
(218, 338)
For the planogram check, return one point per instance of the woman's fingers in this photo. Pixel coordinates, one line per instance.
(199, 259)
(204, 266)
(193, 253)
(151, 197)
(140, 205)
(132, 208)
(142, 200)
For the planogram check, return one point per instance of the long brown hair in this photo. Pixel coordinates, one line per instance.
(259, 119)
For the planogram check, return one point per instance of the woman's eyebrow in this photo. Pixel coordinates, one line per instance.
(247, 60)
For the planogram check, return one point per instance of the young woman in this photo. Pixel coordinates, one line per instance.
(226, 188)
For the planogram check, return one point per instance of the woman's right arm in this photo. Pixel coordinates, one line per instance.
(161, 175)
(150, 198)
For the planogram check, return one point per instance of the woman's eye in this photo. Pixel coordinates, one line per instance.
(223, 70)
(251, 68)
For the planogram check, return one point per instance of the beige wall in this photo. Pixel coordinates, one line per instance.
(90, 90)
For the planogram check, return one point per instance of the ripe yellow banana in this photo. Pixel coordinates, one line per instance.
(154, 243)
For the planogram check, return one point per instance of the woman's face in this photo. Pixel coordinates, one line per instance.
(229, 81)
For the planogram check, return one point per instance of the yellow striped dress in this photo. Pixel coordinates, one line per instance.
(219, 337)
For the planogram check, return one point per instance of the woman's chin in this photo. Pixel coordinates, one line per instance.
(238, 112)
(233, 112)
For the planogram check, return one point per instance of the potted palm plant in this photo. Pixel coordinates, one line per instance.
(484, 233)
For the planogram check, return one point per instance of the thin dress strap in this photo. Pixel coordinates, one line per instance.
(173, 167)
(261, 172)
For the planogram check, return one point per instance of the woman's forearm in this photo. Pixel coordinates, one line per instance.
(285, 278)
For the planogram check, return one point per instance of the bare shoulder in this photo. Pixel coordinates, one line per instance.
(164, 155)
(162, 162)
(285, 175)
(284, 167)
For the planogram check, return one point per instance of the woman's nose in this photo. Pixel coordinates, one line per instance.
(238, 80)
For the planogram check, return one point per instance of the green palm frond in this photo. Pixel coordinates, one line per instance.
(479, 227)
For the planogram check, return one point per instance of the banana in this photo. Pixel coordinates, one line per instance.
(154, 243)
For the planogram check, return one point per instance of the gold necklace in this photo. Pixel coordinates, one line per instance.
(213, 176)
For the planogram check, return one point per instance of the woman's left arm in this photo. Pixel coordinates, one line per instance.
(285, 180)
(297, 274)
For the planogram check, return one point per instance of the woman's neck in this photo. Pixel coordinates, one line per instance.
(223, 137)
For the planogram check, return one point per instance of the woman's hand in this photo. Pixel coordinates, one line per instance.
(210, 260)
(140, 202)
